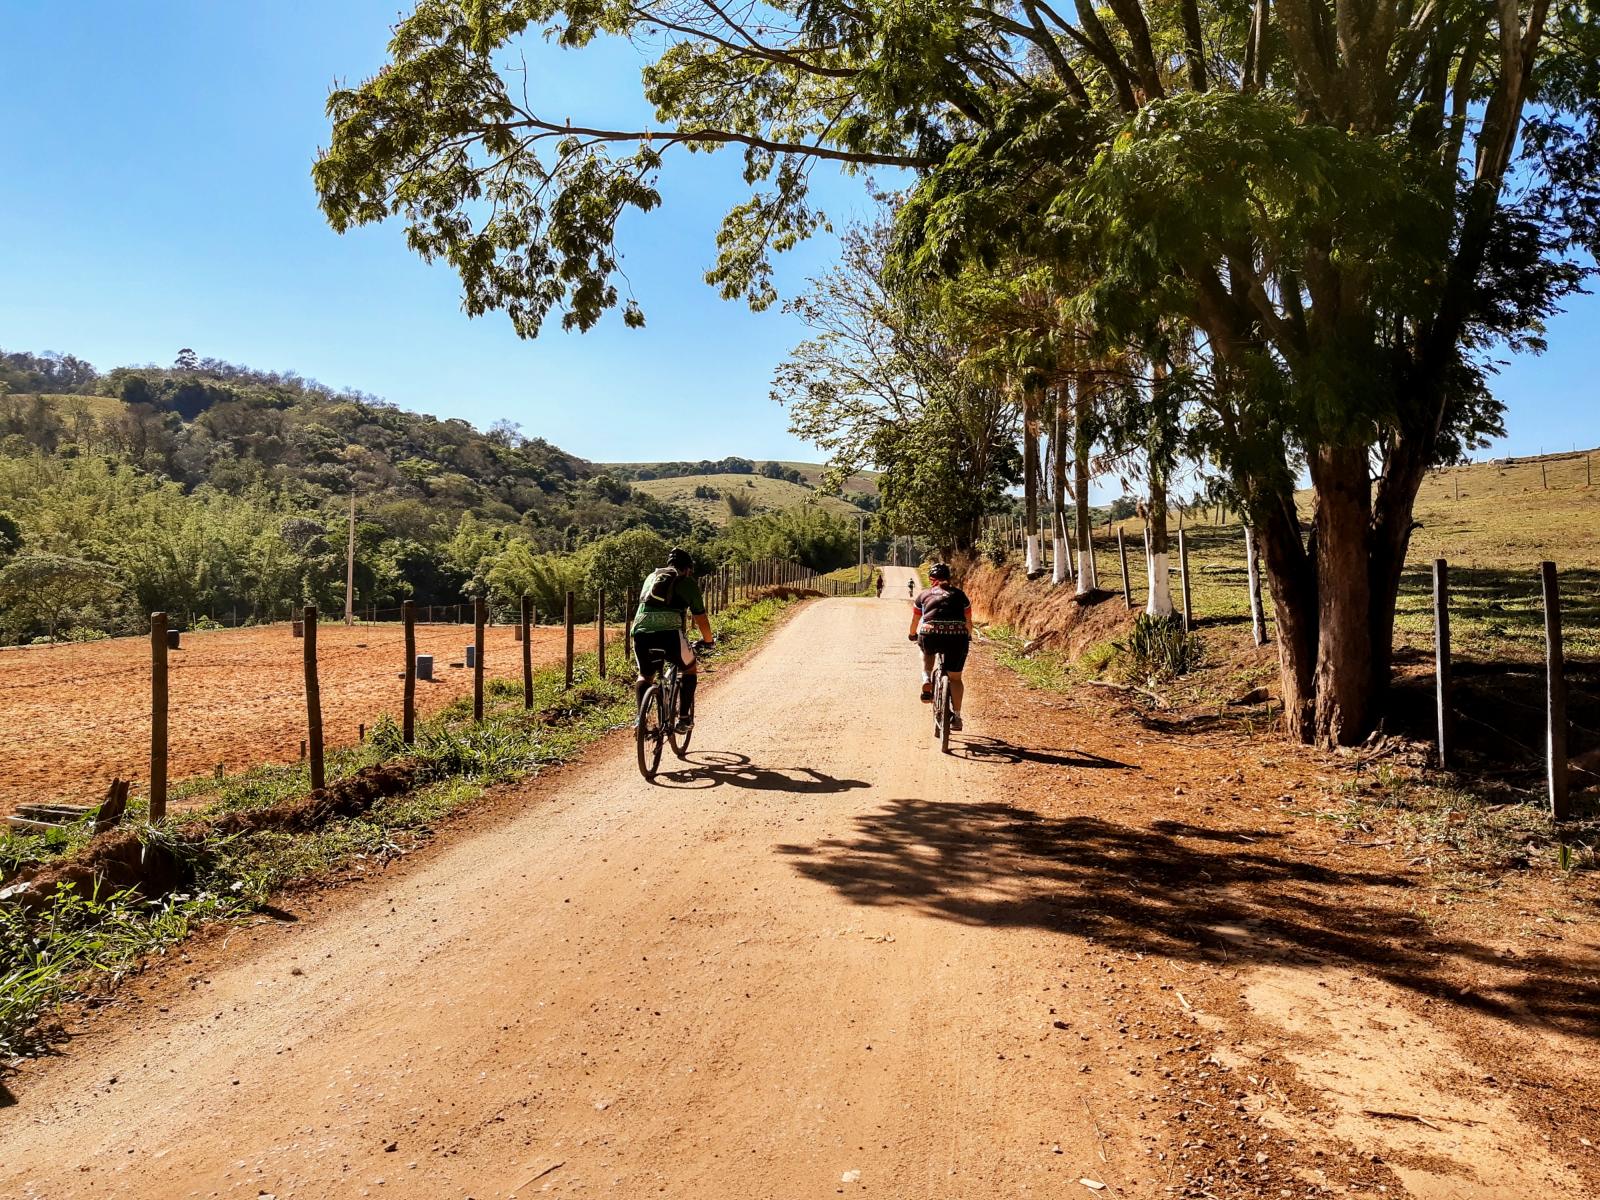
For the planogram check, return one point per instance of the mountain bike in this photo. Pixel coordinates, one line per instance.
(657, 723)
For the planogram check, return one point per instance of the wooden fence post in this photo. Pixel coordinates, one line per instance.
(158, 716)
(1183, 576)
(568, 614)
(319, 778)
(527, 652)
(1258, 620)
(1122, 552)
(408, 707)
(1555, 693)
(600, 631)
(1441, 658)
(479, 615)
(628, 605)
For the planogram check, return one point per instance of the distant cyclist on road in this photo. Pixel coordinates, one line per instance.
(880, 585)
(667, 593)
(911, 587)
(941, 623)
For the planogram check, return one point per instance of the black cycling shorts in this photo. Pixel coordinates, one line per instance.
(953, 646)
(670, 642)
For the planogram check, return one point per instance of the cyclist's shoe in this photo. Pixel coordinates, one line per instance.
(927, 693)
(685, 724)
(955, 722)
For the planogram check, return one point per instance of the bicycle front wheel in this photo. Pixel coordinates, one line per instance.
(648, 733)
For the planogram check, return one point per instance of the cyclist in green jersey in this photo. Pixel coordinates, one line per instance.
(658, 625)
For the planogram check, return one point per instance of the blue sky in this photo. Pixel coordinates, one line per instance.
(156, 194)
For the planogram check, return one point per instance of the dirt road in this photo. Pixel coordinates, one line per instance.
(822, 959)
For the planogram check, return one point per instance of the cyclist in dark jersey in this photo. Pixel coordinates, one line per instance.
(941, 622)
(658, 624)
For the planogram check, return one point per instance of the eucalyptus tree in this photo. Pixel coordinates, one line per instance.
(884, 383)
(1319, 187)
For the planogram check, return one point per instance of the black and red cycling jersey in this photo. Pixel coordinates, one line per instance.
(942, 610)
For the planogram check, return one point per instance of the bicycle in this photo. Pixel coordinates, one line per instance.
(941, 704)
(657, 722)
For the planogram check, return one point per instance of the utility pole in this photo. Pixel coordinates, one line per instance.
(350, 566)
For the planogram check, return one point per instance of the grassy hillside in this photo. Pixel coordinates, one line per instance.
(768, 495)
(863, 483)
(104, 407)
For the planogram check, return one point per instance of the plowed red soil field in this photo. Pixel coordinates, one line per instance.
(72, 717)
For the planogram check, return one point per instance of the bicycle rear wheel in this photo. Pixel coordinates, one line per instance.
(680, 741)
(648, 733)
(941, 703)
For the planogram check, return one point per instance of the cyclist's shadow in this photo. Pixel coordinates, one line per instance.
(720, 768)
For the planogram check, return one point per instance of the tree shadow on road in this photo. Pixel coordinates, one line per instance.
(1000, 751)
(1175, 891)
(720, 768)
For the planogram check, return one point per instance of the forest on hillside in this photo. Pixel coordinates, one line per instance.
(221, 492)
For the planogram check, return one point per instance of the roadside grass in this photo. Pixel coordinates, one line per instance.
(1043, 670)
(73, 944)
(1465, 836)
(851, 581)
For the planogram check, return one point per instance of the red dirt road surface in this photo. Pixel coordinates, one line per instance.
(72, 717)
(1073, 958)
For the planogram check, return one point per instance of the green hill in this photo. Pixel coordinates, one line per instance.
(766, 495)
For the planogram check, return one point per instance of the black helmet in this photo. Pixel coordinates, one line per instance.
(679, 558)
(939, 571)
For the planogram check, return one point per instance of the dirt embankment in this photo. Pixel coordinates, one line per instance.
(1041, 612)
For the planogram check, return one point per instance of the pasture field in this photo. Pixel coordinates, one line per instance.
(1492, 522)
(75, 715)
(767, 495)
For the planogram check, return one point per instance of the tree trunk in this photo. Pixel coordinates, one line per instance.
(1292, 575)
(1082, 442)
(1393, 521)
(1030, 479)
(1059, 567)
(1344, 631)
(1159, 591)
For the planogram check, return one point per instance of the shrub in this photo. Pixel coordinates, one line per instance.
(1158, 648)
(992, 546)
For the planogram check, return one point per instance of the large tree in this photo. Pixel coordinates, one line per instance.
(1320, 187)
